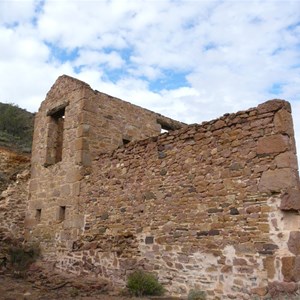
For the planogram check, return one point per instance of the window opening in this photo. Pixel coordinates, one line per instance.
(62, 213)
(38, 214)
(55, 135)
(164, 125)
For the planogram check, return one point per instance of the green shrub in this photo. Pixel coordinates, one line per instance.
(196, 295)
(22, 257)
(16, 127)
(140, 283)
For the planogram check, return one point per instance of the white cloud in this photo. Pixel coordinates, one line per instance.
(234, 54)
(112, 60)
(21, 11)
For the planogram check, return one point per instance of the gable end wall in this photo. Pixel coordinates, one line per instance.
(199, 206)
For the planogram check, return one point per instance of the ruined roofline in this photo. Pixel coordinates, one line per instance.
(226, 120)
(165, 122)
(73, 79)
(271, 105)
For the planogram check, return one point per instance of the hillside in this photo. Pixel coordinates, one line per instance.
(16, 128)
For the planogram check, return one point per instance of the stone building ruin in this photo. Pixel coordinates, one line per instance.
(211, 206)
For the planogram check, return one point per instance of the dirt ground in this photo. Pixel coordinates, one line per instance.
(20, 289)
(40, 283)
(23, 289)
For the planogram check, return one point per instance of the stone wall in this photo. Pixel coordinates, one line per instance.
(13, 198)
(211, 206)
(73, 124)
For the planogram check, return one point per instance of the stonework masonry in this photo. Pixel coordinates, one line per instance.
(13, 198)
(211, 206)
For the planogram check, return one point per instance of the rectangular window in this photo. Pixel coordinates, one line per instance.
(55, 135)
(38, 214)
(62, 213)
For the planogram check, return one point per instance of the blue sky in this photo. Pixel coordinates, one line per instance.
(192, 60)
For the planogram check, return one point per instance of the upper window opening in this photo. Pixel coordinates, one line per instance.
(62, 213)
(38, 214)
(55, 135)
(165, 125)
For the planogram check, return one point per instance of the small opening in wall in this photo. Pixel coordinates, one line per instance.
(62, 213)
(126, 141)
(163, 130)
(165, 126)
(59, 119)
(38, 214)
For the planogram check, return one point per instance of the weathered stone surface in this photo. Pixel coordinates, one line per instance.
(290, 200)
(13, 205)
(287, 268)
(260, 291)
(269, 266)
(294, 242)
(272, 144)
(287, 160)
(277, 180)
(283, 122)
(296, 275)
(277, 287)
(273, 105)
(198, 205)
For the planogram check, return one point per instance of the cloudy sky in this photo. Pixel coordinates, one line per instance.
(192, 60)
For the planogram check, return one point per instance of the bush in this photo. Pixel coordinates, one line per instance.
(196, 295)
(140, 283)
(21, 258)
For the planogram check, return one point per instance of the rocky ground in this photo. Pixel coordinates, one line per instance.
(40, 283)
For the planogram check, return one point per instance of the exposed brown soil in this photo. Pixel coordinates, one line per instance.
(40, 285)
(44, 287)
(11, 164)
(40, 282)
(21, 289)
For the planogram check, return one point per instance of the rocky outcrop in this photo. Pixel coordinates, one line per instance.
(11, 164)
(13, 199)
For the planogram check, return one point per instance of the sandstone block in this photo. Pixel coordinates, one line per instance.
(294, 242)
(82, 144)
(73, 176)
(287, 269)
(83, 131)
(260, 291)
(276, 287)
(291, 200)
(273, 105)
(277, 180)
(283, 122)
(219, 124)
(269, 266)
(296, 275)
(272, 144)
(287, 160)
